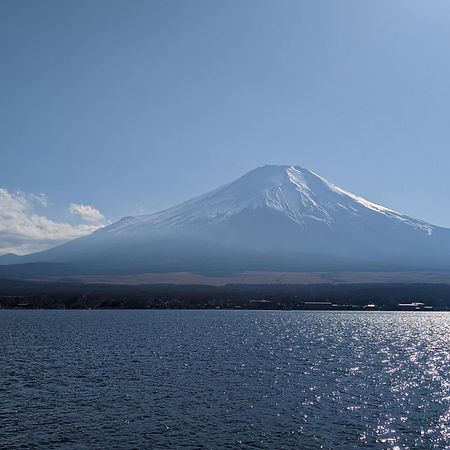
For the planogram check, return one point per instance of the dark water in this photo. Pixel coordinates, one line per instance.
(224, 379)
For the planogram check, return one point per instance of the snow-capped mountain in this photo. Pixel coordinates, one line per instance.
(273, 218)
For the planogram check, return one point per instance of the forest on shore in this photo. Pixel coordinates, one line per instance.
(34, 294)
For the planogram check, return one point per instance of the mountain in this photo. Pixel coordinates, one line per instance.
(274, 218)
(10, 258)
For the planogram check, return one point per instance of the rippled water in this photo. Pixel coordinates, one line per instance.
(224, 379)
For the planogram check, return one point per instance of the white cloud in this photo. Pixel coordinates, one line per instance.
(40, 199)
(87, 212)
(23, 231)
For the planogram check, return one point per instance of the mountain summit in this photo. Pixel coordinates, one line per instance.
(274, 218)
(296, 193)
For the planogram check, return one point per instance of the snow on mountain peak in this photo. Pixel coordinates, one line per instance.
(300, 194)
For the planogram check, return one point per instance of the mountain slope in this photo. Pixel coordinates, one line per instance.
(273, 218)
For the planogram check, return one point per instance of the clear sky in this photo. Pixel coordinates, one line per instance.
(132, 106)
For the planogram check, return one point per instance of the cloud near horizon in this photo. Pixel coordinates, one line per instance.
(24, 231)
(86, 212)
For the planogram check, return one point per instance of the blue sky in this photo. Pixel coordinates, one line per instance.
(132, 106)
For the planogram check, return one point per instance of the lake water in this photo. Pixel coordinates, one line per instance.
(224, 379)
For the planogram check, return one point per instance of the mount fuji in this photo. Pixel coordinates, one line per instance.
(274, 218)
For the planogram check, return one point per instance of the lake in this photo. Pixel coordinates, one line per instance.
(224, 379)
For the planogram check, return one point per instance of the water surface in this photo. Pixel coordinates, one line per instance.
(224, 379)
